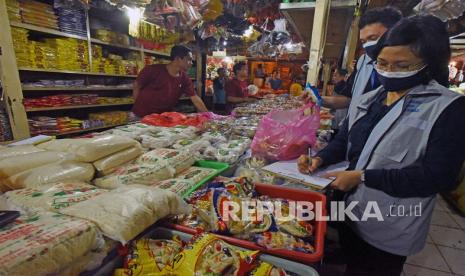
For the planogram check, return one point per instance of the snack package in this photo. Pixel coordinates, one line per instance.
(45, 243)
(124, 213)
(17, 164)
(51, 173)
(279, 240)
(145, 174)
(195, 174)
(115, 160)
(152, 256)
(180, 160)
(266, 269)
(7, 152)
(51, 197)
(209, 255)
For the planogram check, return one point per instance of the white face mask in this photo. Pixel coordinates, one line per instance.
(398, 75)
(370, 43)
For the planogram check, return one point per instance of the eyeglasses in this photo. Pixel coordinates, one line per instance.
(384, 66)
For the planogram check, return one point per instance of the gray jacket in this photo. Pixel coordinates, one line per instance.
(398, 140)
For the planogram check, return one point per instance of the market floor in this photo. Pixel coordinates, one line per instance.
(443, 255)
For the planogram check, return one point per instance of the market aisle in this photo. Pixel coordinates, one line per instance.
(444, 253)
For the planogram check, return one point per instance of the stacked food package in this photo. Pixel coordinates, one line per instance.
(115, 100)
(113, 64)
(21, 46)
(39, 14)
(42, 55)
(112, 37)
(71, 54)
(75, 99)
(49, 126)
(111, 117)
(72, 20)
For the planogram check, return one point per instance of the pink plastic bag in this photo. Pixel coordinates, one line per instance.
(285, 135)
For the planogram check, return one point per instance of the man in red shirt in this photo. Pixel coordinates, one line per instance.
(158, 87)
(236, 88)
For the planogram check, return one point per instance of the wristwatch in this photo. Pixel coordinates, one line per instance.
(362, 177)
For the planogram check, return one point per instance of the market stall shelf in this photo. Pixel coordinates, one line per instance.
(74, 72)
(82, 88)
(45, 30)
(73, 107)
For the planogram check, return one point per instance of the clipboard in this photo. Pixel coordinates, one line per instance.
(289, 170)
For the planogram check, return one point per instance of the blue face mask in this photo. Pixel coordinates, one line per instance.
(399, 81)
(371, 48)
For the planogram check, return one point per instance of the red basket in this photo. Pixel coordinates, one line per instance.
(275, 191)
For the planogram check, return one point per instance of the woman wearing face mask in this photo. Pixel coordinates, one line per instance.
(404, 143)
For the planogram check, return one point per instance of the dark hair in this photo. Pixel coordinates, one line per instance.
(428, 38)
(238, 66)
(388, 16)
(220, 69)
(179, 51)
(342, 72)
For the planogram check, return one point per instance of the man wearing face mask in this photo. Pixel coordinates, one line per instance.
(373, 25)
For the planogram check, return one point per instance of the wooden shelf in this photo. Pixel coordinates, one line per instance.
(77, 88)
(100, 42)
(132, 48)
(73, 72)
(88, 130)
(37, 109)
(45, 30)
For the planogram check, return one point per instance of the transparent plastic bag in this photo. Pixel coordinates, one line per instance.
(285, 135)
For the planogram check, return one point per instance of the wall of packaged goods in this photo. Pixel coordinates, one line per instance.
(70, 70)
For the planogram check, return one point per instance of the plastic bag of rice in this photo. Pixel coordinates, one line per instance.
(7, 152)
(17, 164)
(196, 174)
(51, 173)
(91, 149)
(124, 213)
(45, 243)
(180, 160)
(117, 159)
(178, 186)
(51, 197)
(136, 174)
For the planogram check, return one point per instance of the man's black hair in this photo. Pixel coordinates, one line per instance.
(238, 66)
(387, 16)
(428, 39)
(179, 51)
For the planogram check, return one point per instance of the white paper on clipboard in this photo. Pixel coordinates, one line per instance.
(289, 169)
